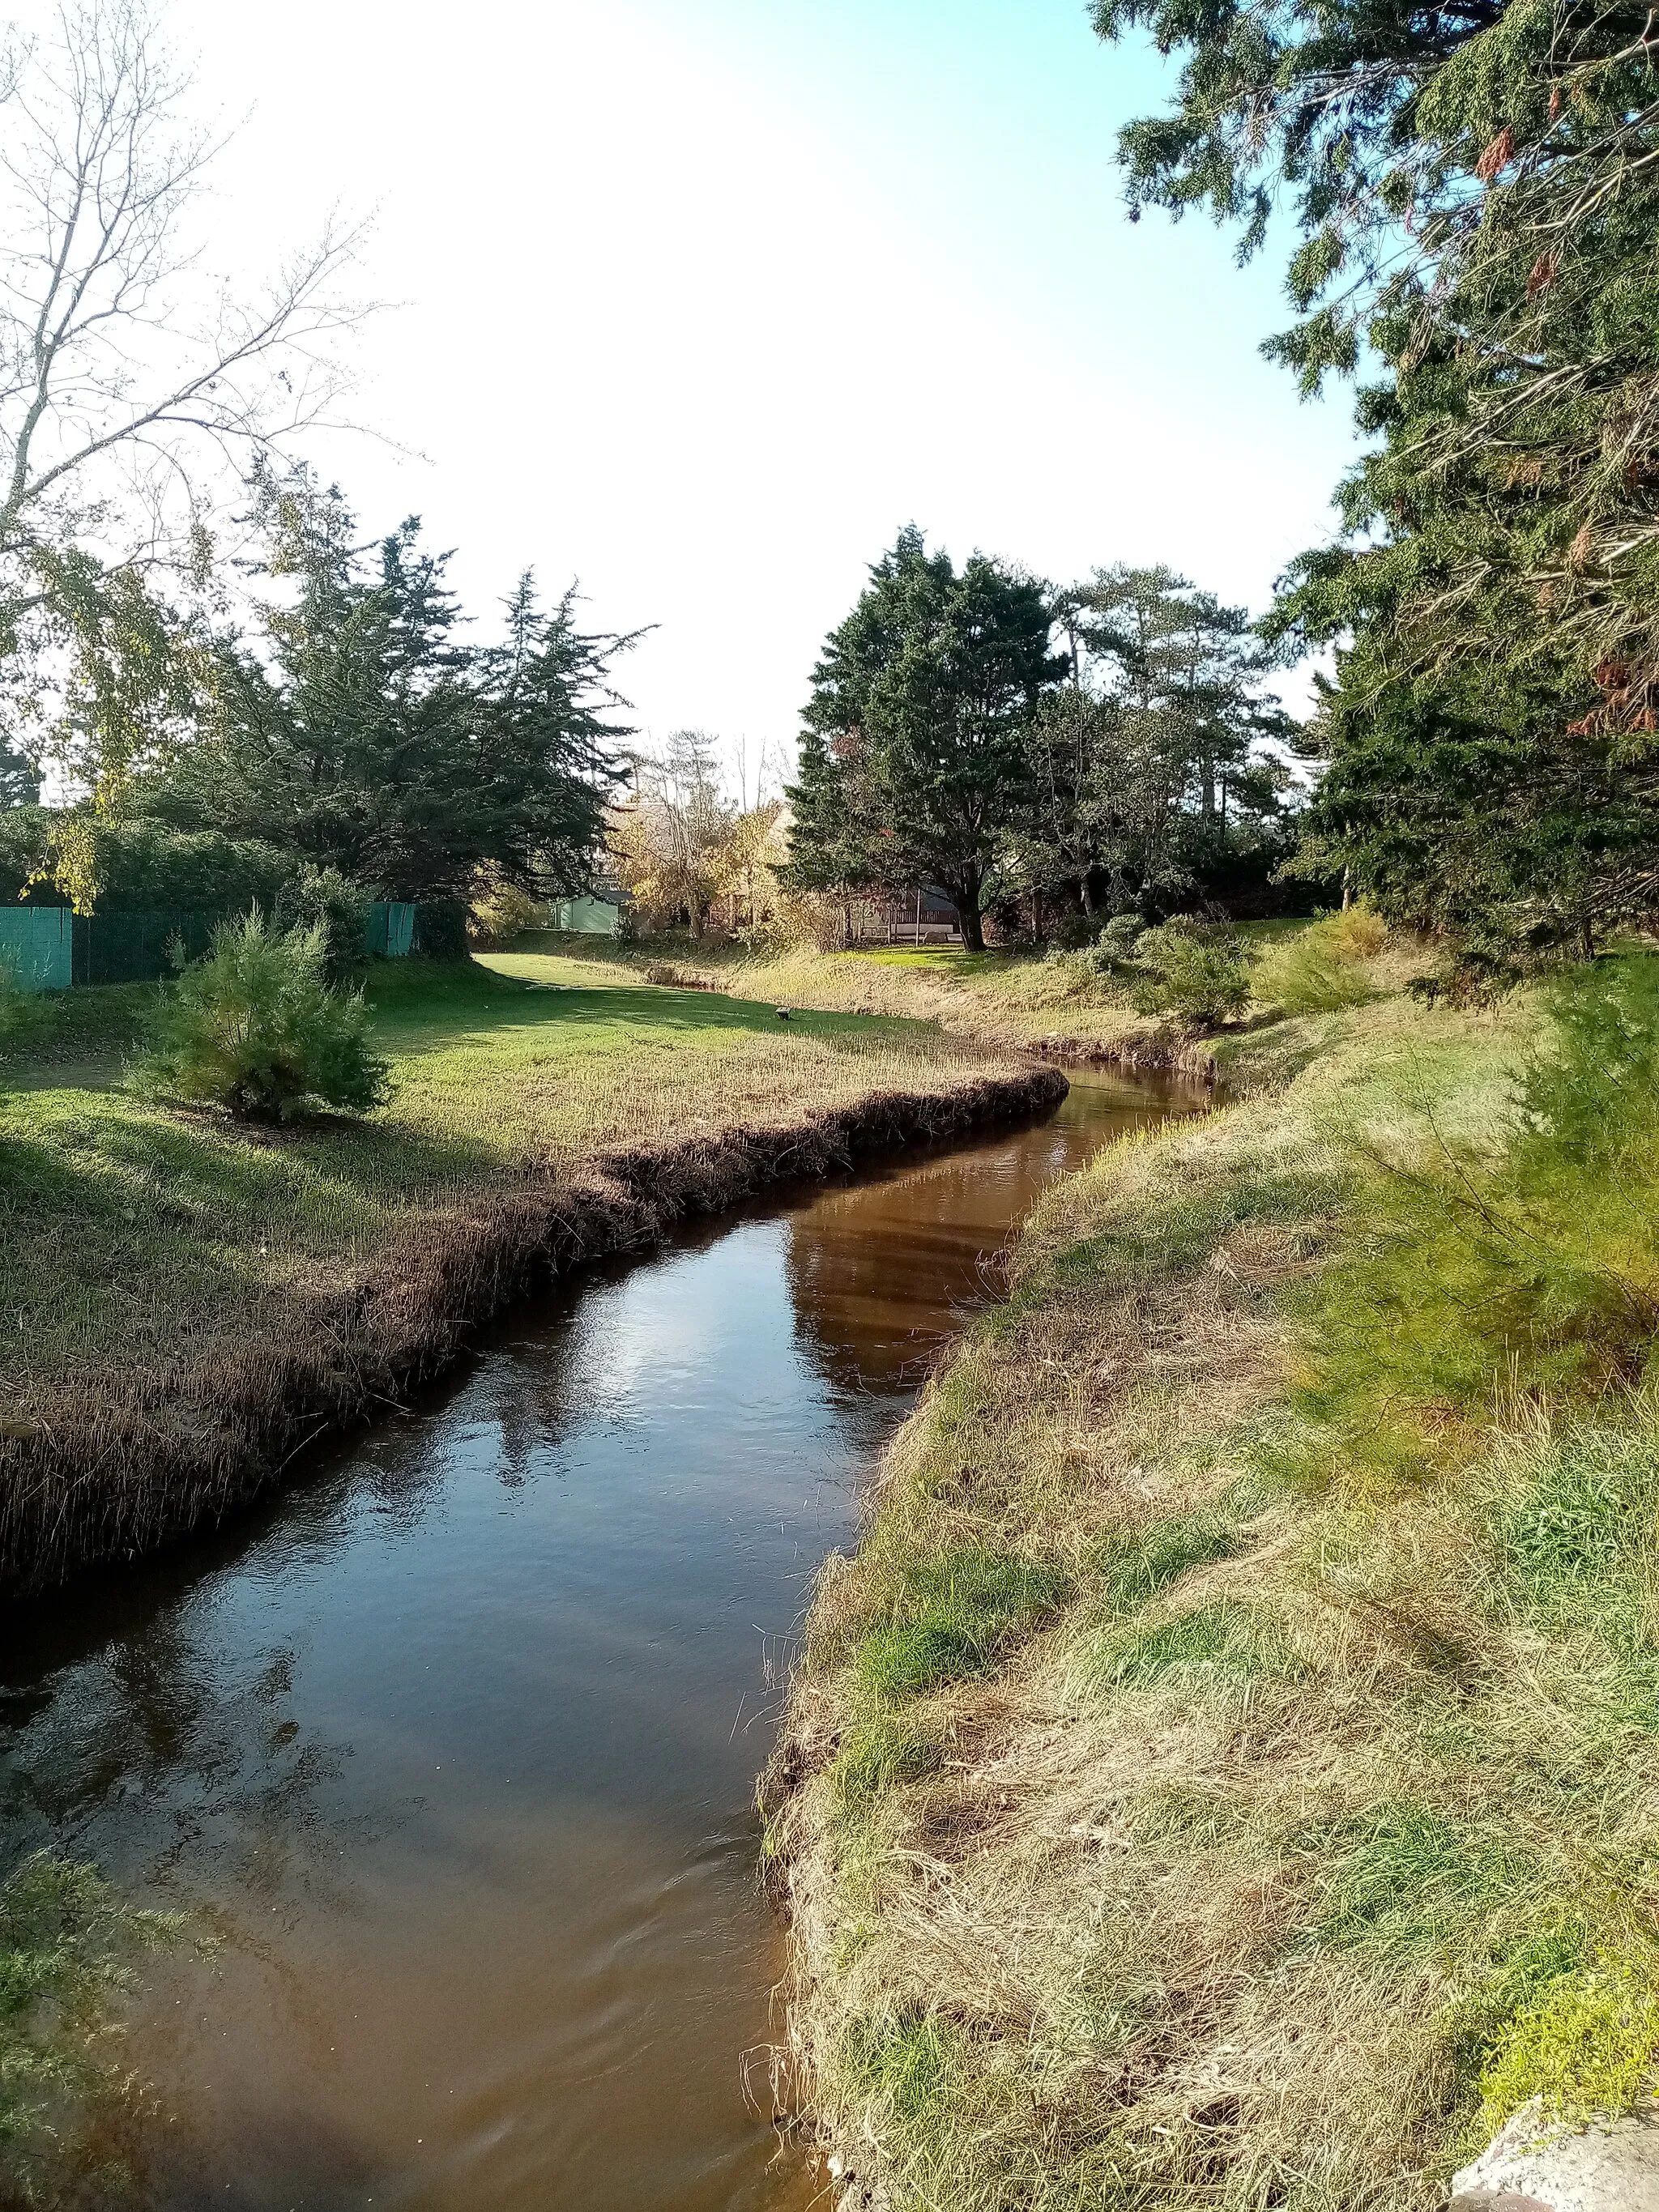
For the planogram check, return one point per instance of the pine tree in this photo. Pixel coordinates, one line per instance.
(915, 765)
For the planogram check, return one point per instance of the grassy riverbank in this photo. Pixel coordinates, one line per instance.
(1226, 1774)
(1009, 999)
(1055, 1002)
(186, 1303)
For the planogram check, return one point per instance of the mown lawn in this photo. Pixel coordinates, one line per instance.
(140, 1240)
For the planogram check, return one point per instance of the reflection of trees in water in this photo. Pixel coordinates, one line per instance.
(880, 1273)
(160, 1749)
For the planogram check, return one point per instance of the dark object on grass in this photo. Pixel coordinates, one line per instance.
(783, 1014)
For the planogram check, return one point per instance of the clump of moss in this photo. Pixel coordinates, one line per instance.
(1586, 2045)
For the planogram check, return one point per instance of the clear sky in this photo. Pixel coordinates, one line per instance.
(701, 300)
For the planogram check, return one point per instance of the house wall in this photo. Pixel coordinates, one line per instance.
(587, 917)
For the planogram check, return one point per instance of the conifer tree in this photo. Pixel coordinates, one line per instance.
(916, 765)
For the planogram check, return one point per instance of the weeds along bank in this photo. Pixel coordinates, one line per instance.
(187, 1302)
(1012, 1001)
(1227, 1774)
(1068, 1006)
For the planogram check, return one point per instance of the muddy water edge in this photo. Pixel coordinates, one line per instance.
(452, 1746)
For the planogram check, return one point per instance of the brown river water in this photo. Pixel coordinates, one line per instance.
(454, 1745)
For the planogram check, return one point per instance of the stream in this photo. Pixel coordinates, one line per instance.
(452, 1745)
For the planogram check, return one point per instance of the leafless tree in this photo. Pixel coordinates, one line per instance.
(127, 376)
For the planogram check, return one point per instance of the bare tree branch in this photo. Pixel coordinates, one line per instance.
(127, 378)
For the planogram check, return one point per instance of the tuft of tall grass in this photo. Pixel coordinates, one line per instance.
(1134, 1563)
(1226, 1645)
(880, 1751)
(1321, 969)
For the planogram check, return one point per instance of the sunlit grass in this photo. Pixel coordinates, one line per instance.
(1306, 1833)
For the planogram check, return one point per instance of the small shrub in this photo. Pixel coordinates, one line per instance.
(440, 930)
(254, 1027)
(1198, 971)
(1534, 1272)
(1317, 971)
(1112, 952)
(1357, 931)
(23, 1013)
(951, 1617)
(322, 899)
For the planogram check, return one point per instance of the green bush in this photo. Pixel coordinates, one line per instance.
(440, 929)
(22, 1014)
(323, 899)
(256, 1027)
(1113, 951)
(502, 911)
(1198, 971)
(1319, 970)
(1535, 1272)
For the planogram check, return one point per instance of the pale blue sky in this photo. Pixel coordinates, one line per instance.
(702, 298)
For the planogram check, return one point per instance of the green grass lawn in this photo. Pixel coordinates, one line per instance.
(1019, 998)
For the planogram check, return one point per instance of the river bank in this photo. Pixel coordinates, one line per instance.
(1054, 1008)
(194, 1304)
(451, 1742)
(1224, 1773)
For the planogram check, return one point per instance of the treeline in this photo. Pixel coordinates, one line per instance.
(1097, 750)
(341, 725)
(1474, 186)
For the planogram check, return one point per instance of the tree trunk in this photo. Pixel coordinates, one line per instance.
(968, 920)
(1087, 892)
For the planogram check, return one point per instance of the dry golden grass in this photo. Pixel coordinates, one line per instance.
(1228, 1875)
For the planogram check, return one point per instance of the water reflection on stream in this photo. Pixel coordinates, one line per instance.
(455, 1744)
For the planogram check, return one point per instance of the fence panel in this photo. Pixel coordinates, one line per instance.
(138, 948)
(37, 943)
(391, 932)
